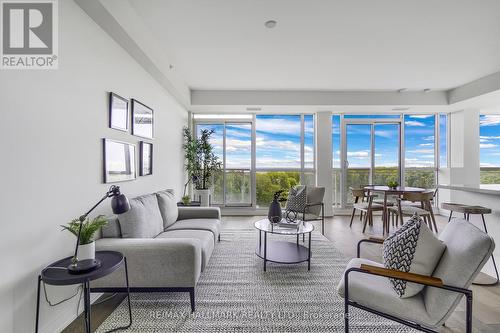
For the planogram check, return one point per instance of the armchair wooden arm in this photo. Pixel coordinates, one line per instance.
(410, 277)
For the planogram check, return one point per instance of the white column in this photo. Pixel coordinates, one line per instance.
(324, 157)
(464, 147)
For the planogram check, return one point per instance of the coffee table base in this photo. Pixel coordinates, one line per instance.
(283, 252)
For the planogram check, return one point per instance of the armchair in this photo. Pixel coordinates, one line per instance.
(315, 208)
(365, 284)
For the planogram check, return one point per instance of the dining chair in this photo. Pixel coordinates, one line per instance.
(406, 206)
(368, 207)
(358, 195)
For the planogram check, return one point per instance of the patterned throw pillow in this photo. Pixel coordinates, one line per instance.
(296, 199)
(412, 248)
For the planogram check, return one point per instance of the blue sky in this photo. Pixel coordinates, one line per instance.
(419, 142)
(489, 135)
(278, 142)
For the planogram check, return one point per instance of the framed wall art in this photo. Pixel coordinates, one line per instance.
(118, 112)
(118, 161)
(146, 159)
(142, 120)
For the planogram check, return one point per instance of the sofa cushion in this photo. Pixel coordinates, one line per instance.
(212, 225)
(143, 220)
(377, 293)
(206, 239)
(168, 207)
(112, 228)
(413, 248)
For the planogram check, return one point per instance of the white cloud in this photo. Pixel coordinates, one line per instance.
(361, 153)
(489, 120)
(426, 144)
(421, 151)
(421, 116)
(487, 145)
(429, 138)
(414, 123)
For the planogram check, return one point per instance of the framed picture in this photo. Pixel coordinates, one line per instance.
(146, 159)
(118, 112)
(119, 161)
(142, 120)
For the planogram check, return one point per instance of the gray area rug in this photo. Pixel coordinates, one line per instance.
(234, 294)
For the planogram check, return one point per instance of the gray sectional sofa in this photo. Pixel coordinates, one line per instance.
(167, 247)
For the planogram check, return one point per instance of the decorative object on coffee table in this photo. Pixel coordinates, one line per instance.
(56, 274)
(119, 205)
(118, 112)
(142, 120)
(283, 252)
(274, 214)
(118, 161)
(146, 158)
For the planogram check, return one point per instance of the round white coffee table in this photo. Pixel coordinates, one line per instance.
(283, 252)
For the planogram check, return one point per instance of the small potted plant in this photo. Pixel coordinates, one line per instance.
(86, 247)
(392, 184)
(186, 200)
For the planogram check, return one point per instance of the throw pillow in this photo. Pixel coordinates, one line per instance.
(168, 207)
(296, 199)
(413, 248)
(143, 220)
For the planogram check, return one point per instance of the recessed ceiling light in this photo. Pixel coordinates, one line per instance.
(426, 90)
(270, 24)
(402, 90)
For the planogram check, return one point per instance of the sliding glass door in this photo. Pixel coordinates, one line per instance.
(238, 164)
(371, 154)
(232, 143)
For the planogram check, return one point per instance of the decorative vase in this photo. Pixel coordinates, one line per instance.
(274, 214)
(204, 197)
(86, 251)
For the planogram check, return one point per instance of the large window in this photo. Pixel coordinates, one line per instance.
(419, 144)
(284, 154)
(337, 192)
(489, 135)
(443, 140)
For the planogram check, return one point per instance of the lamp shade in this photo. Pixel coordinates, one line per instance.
(120, 204)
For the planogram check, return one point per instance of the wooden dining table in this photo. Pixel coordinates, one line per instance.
(388, 191)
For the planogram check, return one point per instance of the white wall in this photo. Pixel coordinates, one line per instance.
(324, 157)
(51, 127)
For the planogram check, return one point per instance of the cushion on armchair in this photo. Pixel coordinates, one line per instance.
(143, 220)
(297, 199)
(412, 248)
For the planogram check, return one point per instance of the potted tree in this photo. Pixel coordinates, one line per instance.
(201, 163)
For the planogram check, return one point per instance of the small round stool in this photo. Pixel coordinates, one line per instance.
(467, 210)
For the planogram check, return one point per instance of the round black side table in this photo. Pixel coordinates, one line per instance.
(56, 274)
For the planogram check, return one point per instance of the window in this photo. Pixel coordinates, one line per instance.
(337, 193)
(419, 143)
(489, 147)
(284, 154)
(443, 140)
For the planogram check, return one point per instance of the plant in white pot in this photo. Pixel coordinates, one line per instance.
(201, 162)
(86, 247)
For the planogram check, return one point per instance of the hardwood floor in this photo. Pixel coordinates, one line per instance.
(486, 310)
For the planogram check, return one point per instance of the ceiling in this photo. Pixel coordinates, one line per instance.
(326, 45)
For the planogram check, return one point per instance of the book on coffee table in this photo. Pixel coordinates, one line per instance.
(289, 224)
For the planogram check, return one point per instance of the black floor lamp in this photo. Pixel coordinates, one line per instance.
(119, 205)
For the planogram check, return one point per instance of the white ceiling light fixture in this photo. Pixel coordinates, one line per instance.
(426, 90)
(270, 24)
(402, 90)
